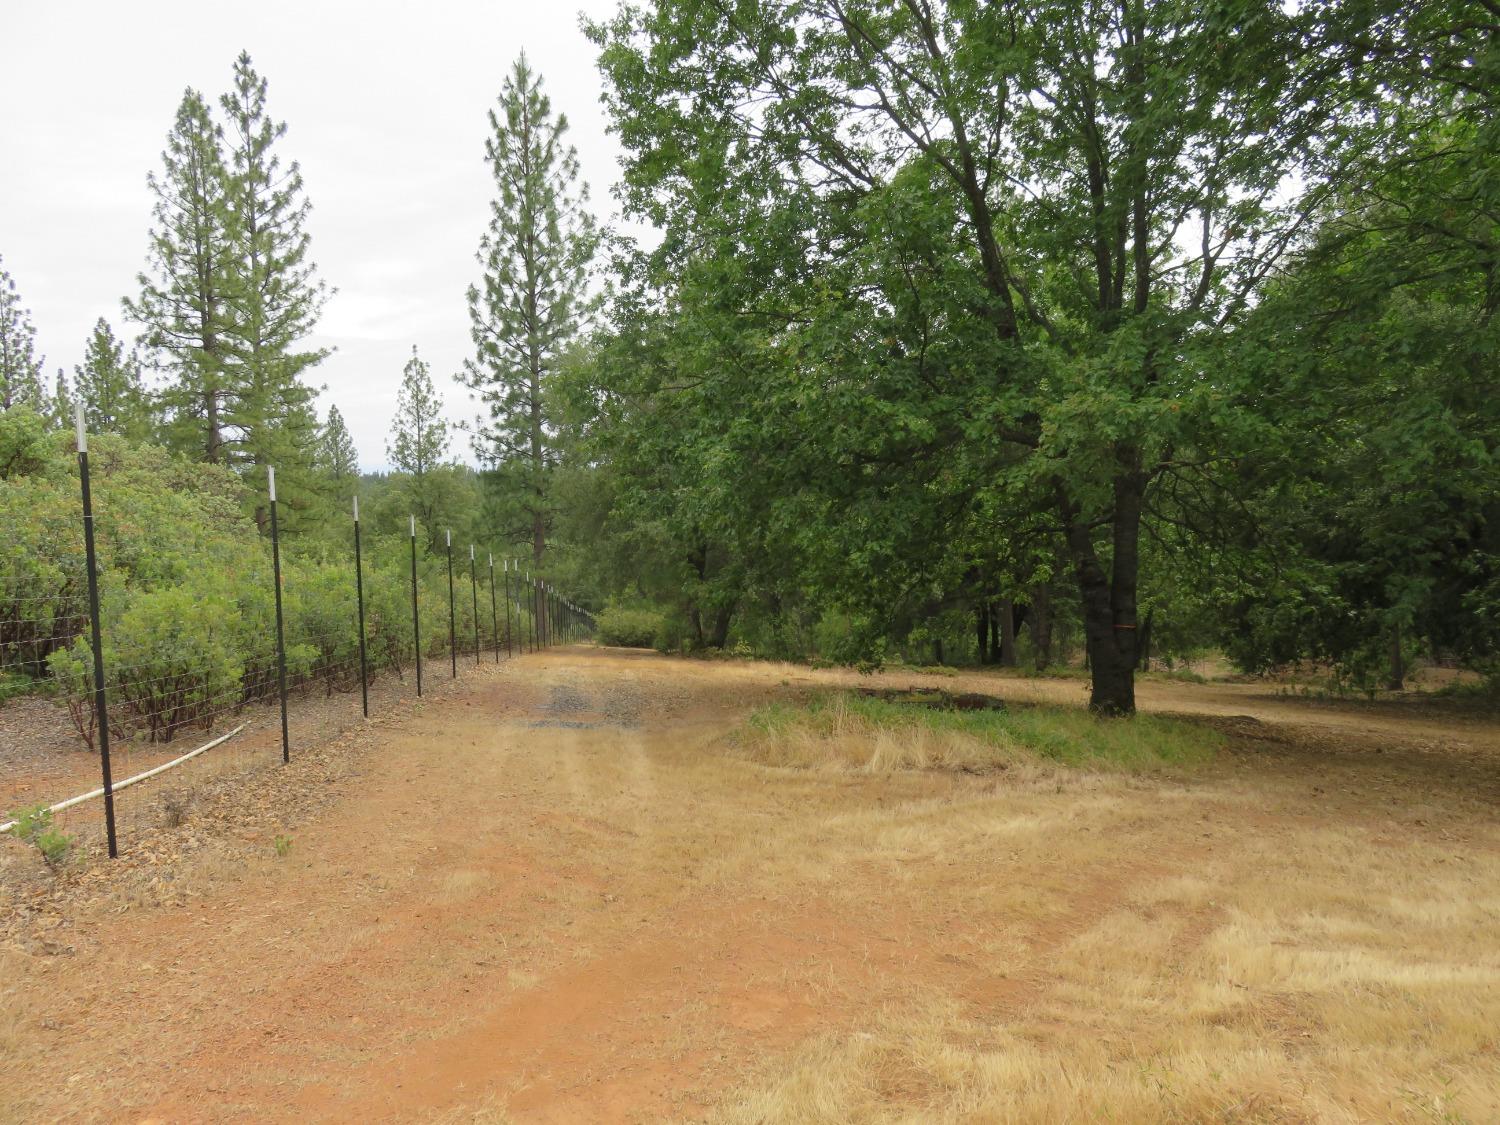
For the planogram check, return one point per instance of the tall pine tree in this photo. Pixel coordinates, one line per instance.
(20, 369)
(419, 439)
(61, 405)
(184, 306)
(337, 456)
(108, 383)
(532, 301)
(274, 295)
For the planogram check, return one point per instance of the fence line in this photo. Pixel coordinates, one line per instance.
(129, 781)
(163, 696)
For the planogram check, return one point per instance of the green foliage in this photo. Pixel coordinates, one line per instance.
(13, 686)
(629, 628)
(532, 301)
(337, 457)
(23, 442)
(283, 845)
(188, 608)
(176, 660)
(274, 299)
(229, 297)
(183, 307)
(20, 368)
(108, 383)
(34, 826)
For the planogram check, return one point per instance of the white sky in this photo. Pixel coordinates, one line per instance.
(385, 105)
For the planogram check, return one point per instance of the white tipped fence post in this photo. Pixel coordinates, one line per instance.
(505, 575)
(452, 611)
(416, 622)
(494, 610)
(474, 595)
(359, 594)
(286, 743)
(101, 706)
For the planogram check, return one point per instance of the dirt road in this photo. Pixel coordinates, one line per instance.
(553, 897)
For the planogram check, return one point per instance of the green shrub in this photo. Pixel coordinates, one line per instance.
(23, 442)
(388, 638)
(672, 635)
(629, 628)
(173, 660)
(321, 623)
(13, 686)
(34, 826)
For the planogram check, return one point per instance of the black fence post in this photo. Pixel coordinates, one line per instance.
(474, 593)
(101, 707)
(286, 742)
(531, 597)
(452, 611)
(494, 611)
(359, 593)
(505, 571)
(416, 625)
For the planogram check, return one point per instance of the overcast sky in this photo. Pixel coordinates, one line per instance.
(385, 105)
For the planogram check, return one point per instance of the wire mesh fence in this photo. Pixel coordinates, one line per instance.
(186, 686)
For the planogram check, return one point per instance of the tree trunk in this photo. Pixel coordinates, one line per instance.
(1398, 662)
(1109, 601)
(1006, 607)
(721, 628)
(1145, 642)
(982, 618)
(937, 650)
(1040, 624)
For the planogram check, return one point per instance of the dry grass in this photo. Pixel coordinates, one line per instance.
(846, 731)
(1302, 996)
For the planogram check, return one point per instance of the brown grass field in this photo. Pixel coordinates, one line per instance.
(582, 889)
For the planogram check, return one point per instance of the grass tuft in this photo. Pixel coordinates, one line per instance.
(846, 731)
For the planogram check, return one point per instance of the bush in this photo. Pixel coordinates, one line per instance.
(173, 660)
(629, 628)
(34, 826)
(672, 636)
(388, 639)
(321, 624)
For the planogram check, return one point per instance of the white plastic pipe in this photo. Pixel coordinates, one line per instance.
(271, 481)
(117, 786)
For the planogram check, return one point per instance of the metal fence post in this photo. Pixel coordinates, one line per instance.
(452, 611)
(494, 610)
(416, 621)
(359, 592)
(505, 571)
(531, 598)
(474, 593)
(101, 707)
(286, 743)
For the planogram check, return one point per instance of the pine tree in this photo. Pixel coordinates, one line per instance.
(108, 383)
(419, 437)
(61, 406)
(532, 302)
(20, 369)
(185, 305)
(275, 296)
(337, 455)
